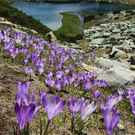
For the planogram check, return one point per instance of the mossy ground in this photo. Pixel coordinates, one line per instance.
(71, 28)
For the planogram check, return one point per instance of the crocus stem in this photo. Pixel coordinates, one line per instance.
(41, 127)
(27, 129)
(72, 124)
(134, 121)
(46, 128)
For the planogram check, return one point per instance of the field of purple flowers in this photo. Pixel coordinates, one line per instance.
(72, 102)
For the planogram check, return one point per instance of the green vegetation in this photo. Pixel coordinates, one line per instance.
(18, 17)
(71, 28)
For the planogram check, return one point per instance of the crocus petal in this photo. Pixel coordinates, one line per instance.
(53, 105)
(33, 109)
(87, 109)
(87, 85)
(97, 94)
(25, 106)
(59, 74)
(23, 87)
(111, 119)
(21, 111)
(131, 96)
(112, 101)
(50, 82)
(74, 105)
(58, 84)
(22, 94)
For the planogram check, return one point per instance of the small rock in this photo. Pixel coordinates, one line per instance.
(96, 35)
(97, 41)
(132, 60)
(132, 67)
(116, 73)
(52, 36)
(117, 53)
(116, 30)
(106, 34)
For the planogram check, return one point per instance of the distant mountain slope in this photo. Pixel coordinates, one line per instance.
(15, 16)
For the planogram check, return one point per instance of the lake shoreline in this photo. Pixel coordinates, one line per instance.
(69, 2)
(76, 1)
(53, 20)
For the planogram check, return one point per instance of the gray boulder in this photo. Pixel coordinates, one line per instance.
(116, 73)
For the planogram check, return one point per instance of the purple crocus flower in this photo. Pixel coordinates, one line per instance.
(87, 108)
(53, 105)
(110, 114)
(25, 106)
(101, 83)
(90, 75)
(1, 35)
(8, 44)
(34, 57)
(25, 113)
(112, 101)
(28, 70)
(23, 50)
(65, 81)
(40, 66)
(13, 52)
(72, 78)
(58, 84)
(27, 59)
(131, 96)
(111, 119)
(22, 94)
(50, 75)
(59, 74)
(74, 105)
(80, 76)
(59, 66)
(49, 82)
(87, 85)
(97, 94)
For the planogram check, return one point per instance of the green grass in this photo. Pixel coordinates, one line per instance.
(71, 28)
(20, 18)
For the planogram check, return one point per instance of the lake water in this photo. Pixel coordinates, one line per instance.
(49, 13)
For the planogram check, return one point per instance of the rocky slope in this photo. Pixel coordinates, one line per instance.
(114, 36)
(110, 42)
(113, 30)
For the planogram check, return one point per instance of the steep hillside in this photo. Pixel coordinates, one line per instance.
(18, 17)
